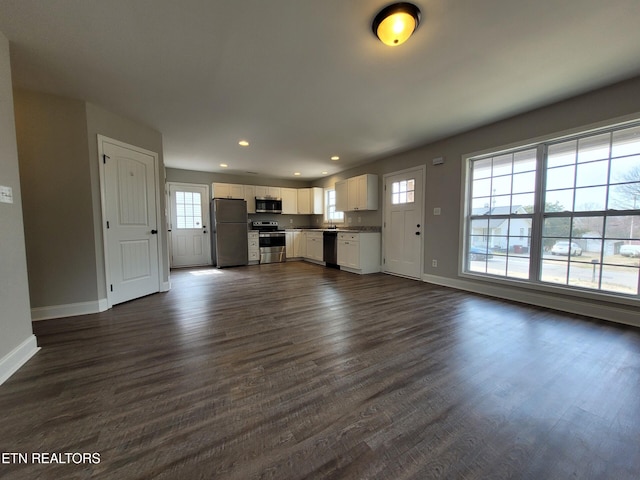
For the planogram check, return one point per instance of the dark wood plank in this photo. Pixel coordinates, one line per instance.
(293, 371)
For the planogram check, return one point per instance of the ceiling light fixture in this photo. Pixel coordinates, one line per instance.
(224, 165)
(335, 158)
(297, 174)
(396, 23)
(243, 143)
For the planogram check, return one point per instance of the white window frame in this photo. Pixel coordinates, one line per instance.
(327, 209)
(533, 283)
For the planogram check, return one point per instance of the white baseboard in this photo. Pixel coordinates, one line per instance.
(69, 310)
(165, 286)
(627, 316)
(17, 357)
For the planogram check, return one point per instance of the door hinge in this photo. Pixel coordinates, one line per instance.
(105, 158)
(111, 287)
(108, 224)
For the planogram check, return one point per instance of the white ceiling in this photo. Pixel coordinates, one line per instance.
(303, 80)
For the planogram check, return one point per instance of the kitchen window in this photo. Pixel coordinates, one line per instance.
(564, 212)
(331, 214)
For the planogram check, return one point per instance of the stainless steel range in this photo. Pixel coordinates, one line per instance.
(272, 242)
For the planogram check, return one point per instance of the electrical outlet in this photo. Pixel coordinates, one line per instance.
(437, 211)
(434, 263)
(6, 194)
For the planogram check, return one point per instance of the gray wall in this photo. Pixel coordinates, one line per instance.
(191, 176)
(108, 124)
(15, 313)
(58, 212)
(58, 152)
(444, 182)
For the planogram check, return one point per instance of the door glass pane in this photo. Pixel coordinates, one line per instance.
(188, 210)
(403, 192)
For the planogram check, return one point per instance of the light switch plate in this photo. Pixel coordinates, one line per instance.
(6, 194)
(437, 211)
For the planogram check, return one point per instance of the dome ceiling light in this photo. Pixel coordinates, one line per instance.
(396, 23)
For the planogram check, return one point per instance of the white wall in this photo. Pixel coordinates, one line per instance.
(17, 342)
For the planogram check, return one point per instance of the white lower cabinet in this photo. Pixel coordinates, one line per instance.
(294, 240)
(314, 246)
(254, 247)
(359, 252)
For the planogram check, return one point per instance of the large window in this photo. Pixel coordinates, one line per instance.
(563, 212)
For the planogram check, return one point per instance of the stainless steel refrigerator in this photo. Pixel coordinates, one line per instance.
(229, 240)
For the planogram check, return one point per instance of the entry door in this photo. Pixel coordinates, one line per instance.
(190, 238)
(130, 206)
(404, 223)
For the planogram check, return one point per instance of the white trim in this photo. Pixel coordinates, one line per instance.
(15, 359)
(564, 304)
(69, 310)
(165, 286)
(156, 174)
(585, 129)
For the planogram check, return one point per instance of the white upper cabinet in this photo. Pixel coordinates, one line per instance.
(357, 193)
(274, 192)
(250, 198)
(342, 196)
(289, 200)
(227, 190)
(310, 201)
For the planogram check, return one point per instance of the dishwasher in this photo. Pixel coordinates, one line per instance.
(330, 248)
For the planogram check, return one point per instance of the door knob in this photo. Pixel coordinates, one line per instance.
(417, 233)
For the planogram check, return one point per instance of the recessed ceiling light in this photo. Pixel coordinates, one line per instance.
(224, 165)
(325, 173)
(243, 143)
(297, 174)
(335, 158)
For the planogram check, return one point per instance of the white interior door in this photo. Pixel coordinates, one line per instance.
(403, 228)
(129, 205)
(190, 237)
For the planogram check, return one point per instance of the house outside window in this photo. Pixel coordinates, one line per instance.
(564, 212)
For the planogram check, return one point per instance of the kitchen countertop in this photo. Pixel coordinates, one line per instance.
(339, 230)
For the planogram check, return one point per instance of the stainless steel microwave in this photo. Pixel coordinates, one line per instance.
(268, 205)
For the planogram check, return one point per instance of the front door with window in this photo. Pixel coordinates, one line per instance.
(190, 239)
(403, 223)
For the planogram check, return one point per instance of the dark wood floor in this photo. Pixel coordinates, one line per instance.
(293, 371)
